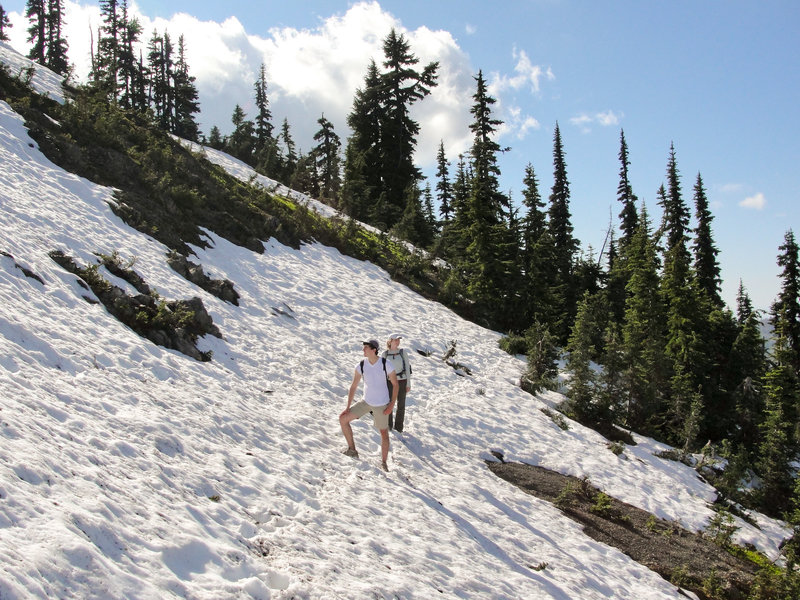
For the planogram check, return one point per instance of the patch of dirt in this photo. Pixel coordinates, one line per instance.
(687, 559)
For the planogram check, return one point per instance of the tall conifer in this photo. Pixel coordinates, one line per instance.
(327, 156)
(564, 244)
(401, 87)
(628, 215)
(705, 251)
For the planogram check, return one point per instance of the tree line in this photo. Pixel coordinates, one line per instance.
(649, 343)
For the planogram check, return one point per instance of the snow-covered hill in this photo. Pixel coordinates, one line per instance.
(132, 471)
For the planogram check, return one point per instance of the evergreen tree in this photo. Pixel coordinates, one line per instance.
(444, 189)
(582, 382)
(488, 252)
(705, 252)
(36, 12)
(537, 254)
(266, 147)
(785, 311)
(56, 55)
(362, 174)
(542, 368)
(776, 450)
(628, 215)
(185, 98)
(240, 143)
(130, 69)
(288, 157)
(161, 93)
(686, 361)
(744, 306)
(263, 118)
(215, 139)
(617, 280)
(326, 154)
(305, 177)
(643, 376)
(401, 87)
(428, 210)
(414, 226)
(746, 368)
(5, 25)
(105, 73)
(564, 244)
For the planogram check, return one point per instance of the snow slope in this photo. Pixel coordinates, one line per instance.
(131, 471)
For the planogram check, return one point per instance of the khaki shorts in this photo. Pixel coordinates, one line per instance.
(380, 419)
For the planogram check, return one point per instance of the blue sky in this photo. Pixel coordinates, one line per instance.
(718, 79)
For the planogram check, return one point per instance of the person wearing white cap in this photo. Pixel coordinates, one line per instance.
(375, 371)
(399, 358)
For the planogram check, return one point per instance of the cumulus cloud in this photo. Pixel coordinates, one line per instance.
(314, 71)
(755, 202)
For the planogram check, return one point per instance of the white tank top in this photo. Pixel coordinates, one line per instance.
(376, 392)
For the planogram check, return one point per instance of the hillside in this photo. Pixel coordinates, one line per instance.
(129, 470)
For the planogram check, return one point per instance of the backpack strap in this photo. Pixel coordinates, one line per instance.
(383, 360)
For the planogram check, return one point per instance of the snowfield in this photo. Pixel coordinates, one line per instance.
(132, 471)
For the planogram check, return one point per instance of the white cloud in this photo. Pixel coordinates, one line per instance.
(309, 71)
(526, 74)
(756, 202)
(470, 29)
(603, 119)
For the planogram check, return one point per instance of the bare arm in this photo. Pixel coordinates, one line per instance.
(353, 387)
(395, 389)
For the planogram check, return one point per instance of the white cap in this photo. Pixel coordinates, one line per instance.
(395, 336)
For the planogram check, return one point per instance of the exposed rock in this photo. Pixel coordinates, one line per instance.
(222, 289)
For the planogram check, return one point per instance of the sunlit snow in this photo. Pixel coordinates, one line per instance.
(131, 471)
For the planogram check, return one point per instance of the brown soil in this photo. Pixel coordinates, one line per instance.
(687, 559)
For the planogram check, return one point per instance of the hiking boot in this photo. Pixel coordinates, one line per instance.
(350, 452)
(385, 467)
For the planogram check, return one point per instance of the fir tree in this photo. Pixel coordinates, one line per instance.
(240, 142)
(628, 215)
(677, 288)
(362, 173)
(582, 382)
(215, 139)
(705, 252)
(161, 92)
(746, 368)
(266, 147)
(401, 86)
(185, 98)
(776, 450)
(542, 367)
(537, 254)
(444, 189)
(564, 244)
(288, 157)
(785, 311)
(305, 177)
(414, 226)
(106, 61)
(326, 154)
(36, 12)
(56, 55)
(130, 69)
(488, 251)
(643, 375)
(5, 25)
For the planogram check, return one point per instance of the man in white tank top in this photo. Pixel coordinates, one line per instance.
(375, 371)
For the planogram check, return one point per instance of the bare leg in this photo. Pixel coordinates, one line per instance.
(347, 430)
(384, 445)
